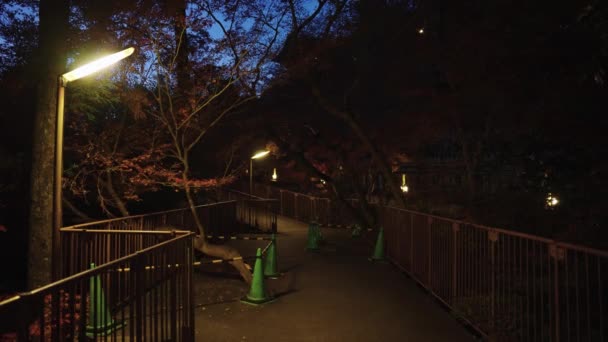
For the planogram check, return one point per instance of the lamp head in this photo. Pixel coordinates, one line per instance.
(260, 154)
(95, 66)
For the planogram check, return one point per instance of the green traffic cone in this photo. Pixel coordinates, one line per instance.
(270, 269)
(320, 238)
(257, 294)
(379, 248)
(356, 231)
(312, 243)
(99, 322)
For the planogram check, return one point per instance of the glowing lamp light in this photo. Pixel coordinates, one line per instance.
(552, 201)
(260, 154)
(323, 181)
(421, 30)
(97, 65)
(274, 175)
(404, 186)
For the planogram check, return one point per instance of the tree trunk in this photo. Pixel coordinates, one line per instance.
(51, 62)
(118, 202)
(218, 251)
(184, 87)
(84, 217)
(363, 215)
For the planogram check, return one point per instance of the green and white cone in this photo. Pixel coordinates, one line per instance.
(312, 244)
(356, 231)
(257, 293)
(271, 268)
(378, 255)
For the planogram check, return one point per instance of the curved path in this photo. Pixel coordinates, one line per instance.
(335, 294)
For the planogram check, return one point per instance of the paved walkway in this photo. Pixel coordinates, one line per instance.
(332, 295)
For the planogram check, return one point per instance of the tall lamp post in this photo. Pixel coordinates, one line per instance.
(258, 155)
(64, 79)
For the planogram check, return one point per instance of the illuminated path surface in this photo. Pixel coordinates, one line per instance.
(331, 295)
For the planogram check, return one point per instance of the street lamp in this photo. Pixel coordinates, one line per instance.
(258, 155)
(404, 187)
(64, 79)
(274, 175)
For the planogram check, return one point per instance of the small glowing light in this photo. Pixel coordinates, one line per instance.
(421, 30)
(274, 175)
(260, 154)
(323, 181)
(404, 186)
(97, 65)
(552, 201)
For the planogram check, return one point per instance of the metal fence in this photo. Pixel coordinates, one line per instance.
(307, 208)
(146, 295)
(509, 286)
(254, 211)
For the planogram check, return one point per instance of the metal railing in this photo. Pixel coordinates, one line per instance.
(254, 211)
(146, 295)
(305, 207)
(113, 239)
(216, 218)
(509, 286)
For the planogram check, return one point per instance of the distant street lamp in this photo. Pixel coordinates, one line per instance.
(258, 155)
(274, 175)
(64, 79)
(404, 187)
(551, 200)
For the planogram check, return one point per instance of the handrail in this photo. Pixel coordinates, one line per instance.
(568, 245)
(101, 268)
(86, 224)
(138, 232)
(93, 271)
(255, 198)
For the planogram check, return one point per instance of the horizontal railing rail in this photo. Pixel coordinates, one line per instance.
(508, 285)
(217, 218)
(102, 304)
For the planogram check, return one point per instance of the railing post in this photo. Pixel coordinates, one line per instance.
(412, 268)
(429, 223)
(295, 206)
(558, 254)
(455, 230)
(328, 211)
(138, 287)
(492, 237)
